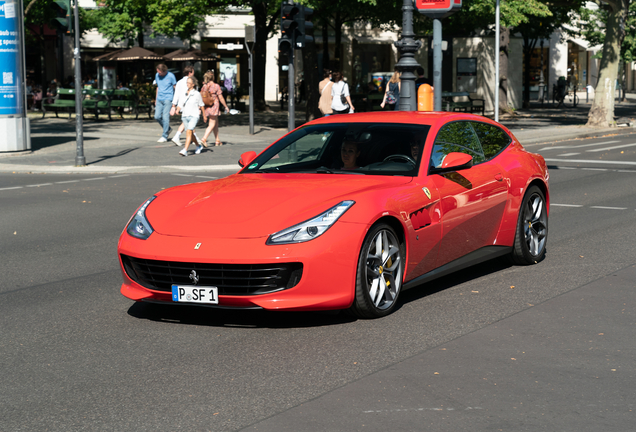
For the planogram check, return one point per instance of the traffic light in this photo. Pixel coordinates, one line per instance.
(287, 27)
(303, 26)
(64, 12)
(294, 26)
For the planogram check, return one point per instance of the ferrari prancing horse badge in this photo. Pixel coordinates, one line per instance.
(427, 192)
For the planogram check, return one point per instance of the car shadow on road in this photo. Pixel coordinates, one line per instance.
(213, 317)
(466, 275)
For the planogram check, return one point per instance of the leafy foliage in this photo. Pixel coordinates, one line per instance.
(128, 19)
(593, 29)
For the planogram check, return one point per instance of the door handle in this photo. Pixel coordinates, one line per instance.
(498, 177)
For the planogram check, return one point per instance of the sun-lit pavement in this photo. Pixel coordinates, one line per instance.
(129, 145)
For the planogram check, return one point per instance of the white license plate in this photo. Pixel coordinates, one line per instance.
(195, 294)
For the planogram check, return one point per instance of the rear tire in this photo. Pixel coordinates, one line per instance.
(379, 275)
(532, 229)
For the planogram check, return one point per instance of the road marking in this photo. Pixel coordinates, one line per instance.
(592, 161)
(608, 208)
(611, 148)
(591, 169)
(565, 205)
(68, 181)
(208, 177)
(569, 154)
(578, 146)
(184, 175)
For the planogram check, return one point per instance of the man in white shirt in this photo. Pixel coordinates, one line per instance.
(179, 94)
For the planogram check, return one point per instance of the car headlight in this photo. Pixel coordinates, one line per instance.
(312, 228)
(139, 227)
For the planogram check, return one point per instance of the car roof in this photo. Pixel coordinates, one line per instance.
(413, 117)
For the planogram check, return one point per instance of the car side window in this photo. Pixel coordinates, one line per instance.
(456, 137)
(493, 139)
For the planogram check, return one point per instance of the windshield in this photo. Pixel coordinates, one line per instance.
(346, 148)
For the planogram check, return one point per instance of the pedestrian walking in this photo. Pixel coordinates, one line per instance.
(392, 92)
(191, 106)
(180, 91)
(166, 82)
(324, 104)
(211, 113)
(341, 99)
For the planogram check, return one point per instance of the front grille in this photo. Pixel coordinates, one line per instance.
(230, 279)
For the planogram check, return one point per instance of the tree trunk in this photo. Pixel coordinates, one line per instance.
(504, 43)
(602, 111)
(325, 44)
(337, 26)
(260, 52)
(140, 38)
(312, 79)
(528, 48)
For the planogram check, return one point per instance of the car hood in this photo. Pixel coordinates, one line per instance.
(255, 205)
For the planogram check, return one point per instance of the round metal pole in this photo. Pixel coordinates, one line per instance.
(407, 46)
(437, 65)
(497, 62)
(80, 160)
(291, 123)
(251, 89)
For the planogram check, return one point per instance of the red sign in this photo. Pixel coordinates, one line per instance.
(437, 6)
(434, 5)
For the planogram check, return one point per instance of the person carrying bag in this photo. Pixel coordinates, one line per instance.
(324, 104)
(392, 93)
(341, 99)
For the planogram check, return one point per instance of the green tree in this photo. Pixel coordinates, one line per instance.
(542, 28)
(480, 14)
(127, 20)
(613, 25)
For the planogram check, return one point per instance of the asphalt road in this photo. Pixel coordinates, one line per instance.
(76, 355)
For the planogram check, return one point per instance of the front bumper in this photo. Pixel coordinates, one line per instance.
(328, 275)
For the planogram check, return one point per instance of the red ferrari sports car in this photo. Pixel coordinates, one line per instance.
(344, 212)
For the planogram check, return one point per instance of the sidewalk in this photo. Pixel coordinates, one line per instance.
(125, 145)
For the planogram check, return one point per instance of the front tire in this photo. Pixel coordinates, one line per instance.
(532, 229)
(379, 274)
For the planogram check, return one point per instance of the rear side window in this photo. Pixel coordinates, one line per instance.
(456, 137)
(493, 139)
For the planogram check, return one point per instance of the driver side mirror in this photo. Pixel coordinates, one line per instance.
(246, 158)
(454, 161)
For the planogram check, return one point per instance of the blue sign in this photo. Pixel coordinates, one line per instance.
(11, 96)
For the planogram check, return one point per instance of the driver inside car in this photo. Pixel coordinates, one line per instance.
(349, 154)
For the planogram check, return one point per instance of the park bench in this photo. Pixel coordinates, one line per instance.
(145, 104)
(64, 101)
(96, 100)
(471, 105)
(124, 100)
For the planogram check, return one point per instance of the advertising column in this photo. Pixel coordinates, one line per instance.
(14, 125)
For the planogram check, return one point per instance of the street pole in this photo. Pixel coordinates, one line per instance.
(437, 65)
(250, 37)
(291, 123)
(80, 160)
(407, 46)
(497, 62)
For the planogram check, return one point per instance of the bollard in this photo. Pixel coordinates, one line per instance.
(425, 98)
